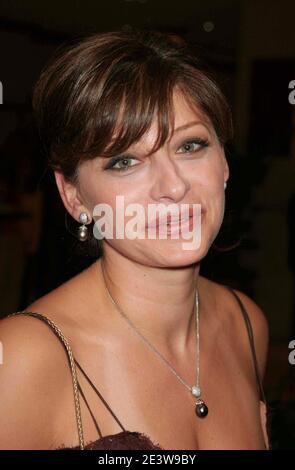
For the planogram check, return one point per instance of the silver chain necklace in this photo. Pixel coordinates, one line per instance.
(201, 408)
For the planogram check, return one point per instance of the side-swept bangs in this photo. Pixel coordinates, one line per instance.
(98, 96)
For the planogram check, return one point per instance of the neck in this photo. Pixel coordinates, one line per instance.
(160, 302)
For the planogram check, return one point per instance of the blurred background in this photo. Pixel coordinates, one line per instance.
(251, 46)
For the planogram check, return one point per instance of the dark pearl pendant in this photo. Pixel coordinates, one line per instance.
(201, 409)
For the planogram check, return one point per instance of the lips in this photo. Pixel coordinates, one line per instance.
(170, 221)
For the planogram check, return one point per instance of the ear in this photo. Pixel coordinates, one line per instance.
(225, 166)
(70, 196)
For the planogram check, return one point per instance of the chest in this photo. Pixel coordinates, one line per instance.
(147, 397)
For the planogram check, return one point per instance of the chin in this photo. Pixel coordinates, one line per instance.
(172, 254)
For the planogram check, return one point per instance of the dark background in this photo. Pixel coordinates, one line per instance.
(251, 45)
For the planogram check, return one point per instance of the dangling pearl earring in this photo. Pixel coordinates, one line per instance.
(225, 184)
(83, 230)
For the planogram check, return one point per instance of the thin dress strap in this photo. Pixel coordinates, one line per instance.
(68, 350)
(59, 334)
(252, 345)
(101, 397)
(89, 409)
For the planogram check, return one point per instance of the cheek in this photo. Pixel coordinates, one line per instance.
(212, 195)
(209, 180)
(214, 168)
(116, 201)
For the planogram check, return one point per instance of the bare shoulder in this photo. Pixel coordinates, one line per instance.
(258, 319)
(33, 364)
(260, 327)
(35, 358)
(256, 315)
(62, 303)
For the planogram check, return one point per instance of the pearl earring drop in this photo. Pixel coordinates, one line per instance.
(83, 230)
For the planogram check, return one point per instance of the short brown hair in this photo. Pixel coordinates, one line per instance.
(79, 95)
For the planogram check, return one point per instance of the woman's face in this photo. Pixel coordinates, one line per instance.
(190, 168)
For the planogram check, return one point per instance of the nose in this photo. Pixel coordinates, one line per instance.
(168, 181)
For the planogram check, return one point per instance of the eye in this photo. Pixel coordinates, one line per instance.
(117, 160)
(189, 146)
(193, 145)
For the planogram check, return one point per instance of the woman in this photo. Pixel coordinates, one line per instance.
(133, 115)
